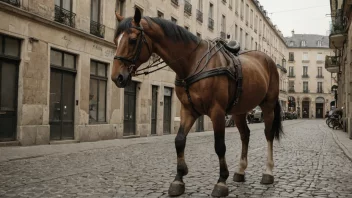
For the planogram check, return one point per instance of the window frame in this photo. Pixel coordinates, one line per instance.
(61, 5)
(99, 11)
(63, 61)
(99, 79)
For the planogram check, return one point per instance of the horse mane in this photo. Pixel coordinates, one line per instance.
(170, 29)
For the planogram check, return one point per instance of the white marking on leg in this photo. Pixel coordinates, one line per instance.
(243, 166)
(270, 160)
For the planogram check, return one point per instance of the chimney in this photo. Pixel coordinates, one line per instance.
(293, 32)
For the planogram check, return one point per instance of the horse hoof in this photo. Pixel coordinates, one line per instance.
(238, 177)
(176, 188)
(267, 179)
(220, 190)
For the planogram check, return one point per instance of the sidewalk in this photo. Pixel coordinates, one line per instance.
(341, 138)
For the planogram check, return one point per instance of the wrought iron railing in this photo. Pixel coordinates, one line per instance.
(199, 16)
(291, 90)
(188, 8)
(211, 23)
(320, 76)
(12, 2)
(222, 35)
(291, 75)
(305, 91)
(319, 90)
(174, 2)
(97, 29)
(305, 76)
(64, 16)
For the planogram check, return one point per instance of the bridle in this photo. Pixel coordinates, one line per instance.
(132, 62)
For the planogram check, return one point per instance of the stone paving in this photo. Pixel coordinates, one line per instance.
(308, 163)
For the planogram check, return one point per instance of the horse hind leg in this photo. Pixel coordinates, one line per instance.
(242, 126)
(273, 129)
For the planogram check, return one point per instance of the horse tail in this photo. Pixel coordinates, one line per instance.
(276, 129)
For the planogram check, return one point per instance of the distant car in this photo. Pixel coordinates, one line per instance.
(294, 115)
(288, 116)
(257, 114)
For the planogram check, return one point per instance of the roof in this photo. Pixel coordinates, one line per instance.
(311, 40)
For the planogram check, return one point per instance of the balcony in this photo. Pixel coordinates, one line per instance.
(305, 61)
(291, 60)
(64, 16)
(223, 35)
(305, 76)
(305, 91)
(12, 2)
(174, 2)
(97, 29)
(291, 90)
(199, 16)
(320, 61)
(332, 64)
(320, 76)
(291, 76)
(338, 33)
(320, 91)
(188, 8)
(211, 23)
(283, 91)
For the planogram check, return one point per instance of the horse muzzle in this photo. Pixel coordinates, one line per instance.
(122, 81)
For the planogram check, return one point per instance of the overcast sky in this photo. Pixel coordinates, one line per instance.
(304, 21)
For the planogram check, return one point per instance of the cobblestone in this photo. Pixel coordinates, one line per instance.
(308, 163)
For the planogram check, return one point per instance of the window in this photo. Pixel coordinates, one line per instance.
(305, 56)
(63, 12)
(303, 43)
(291, 86)
(173, 20)
(247, 14)
(256, 24)
(320, 71)
(241, 38)
(160, 14)
(246, 41)
(320, 56)
(242, 9)
(199, 35)
(291, 56)
(305, 71)
(236, 32)
(211, 10)
(291, 72)
(251, 20)
(96, 28)
(292, 43)
(320, 87)
(305, 87)
(230, 4)
(120, 8)
(252, 47)
(97, 92)
(9, 46)
(319, 43)
(260, 26)
(223, 23)
(236, 7)
(63, 60)
(187, 28)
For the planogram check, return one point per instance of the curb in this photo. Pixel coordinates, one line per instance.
(342, 146)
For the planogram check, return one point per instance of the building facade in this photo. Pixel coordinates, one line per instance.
(340, 63)
(56, 58)
(309, 83)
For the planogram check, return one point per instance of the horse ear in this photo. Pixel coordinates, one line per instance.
(137, 16)
(119, 17)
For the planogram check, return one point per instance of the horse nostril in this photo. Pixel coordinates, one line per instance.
(119, 78)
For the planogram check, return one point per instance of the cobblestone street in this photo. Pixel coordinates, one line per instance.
(308, 163)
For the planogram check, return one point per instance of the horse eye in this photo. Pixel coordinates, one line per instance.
(132, 41)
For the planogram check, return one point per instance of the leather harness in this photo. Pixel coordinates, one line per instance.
(233, 73)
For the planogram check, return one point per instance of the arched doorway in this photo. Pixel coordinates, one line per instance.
(305, 107)
(319, 107)
(291, 104)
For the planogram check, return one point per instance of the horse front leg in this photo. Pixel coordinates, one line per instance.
(218, 119)
(177, 187)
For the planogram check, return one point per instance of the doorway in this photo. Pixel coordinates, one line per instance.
(154, 115)
(319, 107)
(200, 124)
(10, 50)
(129, 123)
(167, 110)
(305, 109)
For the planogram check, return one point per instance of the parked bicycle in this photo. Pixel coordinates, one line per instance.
(334, 119)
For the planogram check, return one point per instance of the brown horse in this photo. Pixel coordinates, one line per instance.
(137, 38)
